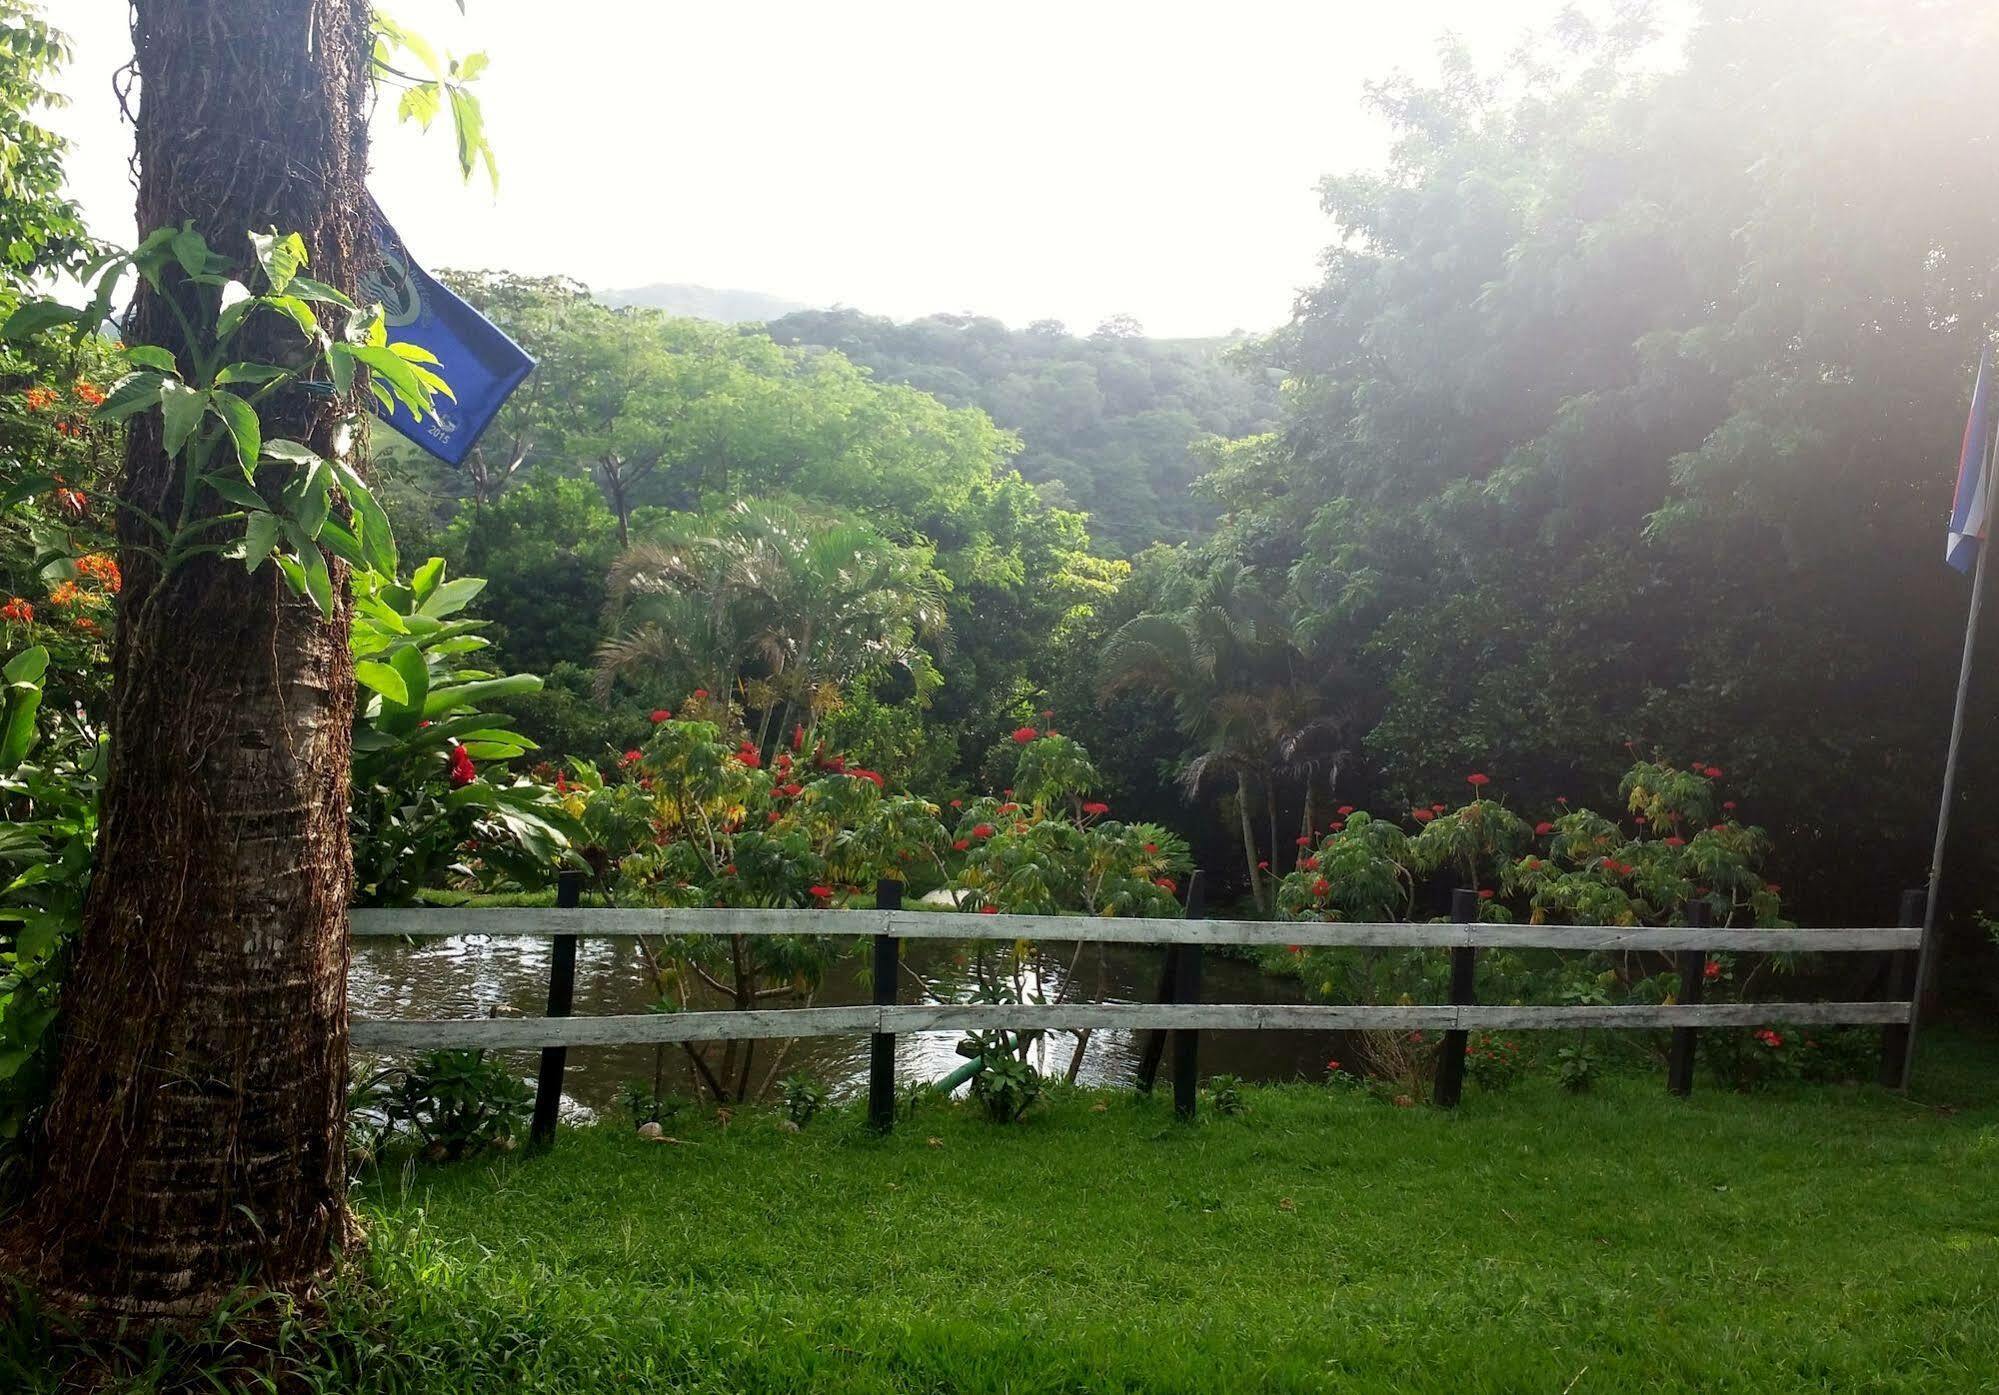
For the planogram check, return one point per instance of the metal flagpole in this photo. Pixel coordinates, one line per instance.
(1926, 952)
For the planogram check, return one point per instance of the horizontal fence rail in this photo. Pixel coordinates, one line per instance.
(1178, 1011)
(543, 922)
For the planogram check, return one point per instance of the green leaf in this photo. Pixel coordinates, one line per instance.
(236, 303)
(308, 289)
(28, 666)
(250, 373)
(299, 312)
(181, 407)
(409, 662)
(462, 695)
(281, 257)
(293, 573)
(451, 597)
(236, 490)
(244, 428)
(133, 393)
(470, 66)
(291, 452)
(318, 580)
(191, 250)
(370, 522)
(260, 535)
(425, 579)
(32, 317)
(152, 356)
(384, 680)
(399, 376)
(342, 544)
(420, 103)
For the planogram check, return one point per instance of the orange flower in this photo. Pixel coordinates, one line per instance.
(39, 399)
(17, 612)
(67, 593)
(89, 393)
(102, 568)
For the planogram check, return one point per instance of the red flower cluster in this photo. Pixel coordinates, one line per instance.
(962, 845)
(747, 753)
(1711, 969)
(982, 830)
(1769, 1038)
(1345, 809)
(17, 612)
(1421, 815)
(700, 694)
(1544, 828)
(1023, 735)
(634, 757)
(1168, 885)
(1485, 893)
(660, 714)
(1477, 780)
(1096, 808)
(824, 893)
(870, 775)
(1336, 825)
(463, 772)
(1321, 887)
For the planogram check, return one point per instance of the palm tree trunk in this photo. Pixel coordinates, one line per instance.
(1249, 839)
(194, 1135)
(1270, 817)
(1310, 830)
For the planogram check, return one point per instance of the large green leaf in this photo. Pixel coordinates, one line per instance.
(133, 393)
(280, 256)
(181, 407)
(24, 699)
(260, 535)
(384, 679)
(32, 317)
(452, 596)
(244, 428)
(462, 695)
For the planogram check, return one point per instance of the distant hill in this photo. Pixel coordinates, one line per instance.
(729, 307)
(1109, 422)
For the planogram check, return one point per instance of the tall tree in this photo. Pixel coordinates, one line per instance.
(193, 1139)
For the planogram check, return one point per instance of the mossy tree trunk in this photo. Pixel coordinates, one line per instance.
(193, 1140)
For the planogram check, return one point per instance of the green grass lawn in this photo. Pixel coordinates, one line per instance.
(1806, 1238)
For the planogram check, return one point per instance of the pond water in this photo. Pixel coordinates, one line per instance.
(479, 976)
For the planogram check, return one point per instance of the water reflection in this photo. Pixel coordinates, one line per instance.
(478, 976)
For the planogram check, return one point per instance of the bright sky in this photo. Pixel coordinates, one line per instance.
(1073, 159)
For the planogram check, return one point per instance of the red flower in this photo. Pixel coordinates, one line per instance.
(1304, 841)
(1345, 809)
(1676, 841)
(729, 870)
(982, 830)
(463, 772)
(871, 776)
(1713, 772)
(1151, 848)
(1416, 1036)
(1436, 808)
(1711, 969)
(1772, 888)
(1263, 866)
(989, 910)
(1096, 807)
(634, 757)
(1332, 1065)
(962, 844)
(1009, 808)
(1295, 949)
(1544, 828)
(798, 738)
(1168, 885)
(957, 804)
(660, 714)
(1337, 825)
(1640, 820)
(1769, 1038)
(17, 612)
(1478, 781)
(824, 893)
(700, 693)
(1485, 893)
(1321, 887)
(750, 758)
(1421, 815)
(1561, 799)
(1308, 863)
(1728, 804)
(1023, 735)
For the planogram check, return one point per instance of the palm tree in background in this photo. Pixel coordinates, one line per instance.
(1259, 707)
(779, 607)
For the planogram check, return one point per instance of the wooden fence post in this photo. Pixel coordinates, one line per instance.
(881, 1047)
(1693, 973)
(1901, 986)
(1152, 1046)
(1451, 1062)
(1187, 991)
(561, 993)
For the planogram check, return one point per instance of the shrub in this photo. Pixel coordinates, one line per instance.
(1006, 1086)
(446, 1104)
(804, 1096)
(1225, 1095)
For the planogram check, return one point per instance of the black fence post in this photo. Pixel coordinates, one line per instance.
(1187, 991)
(881, 1047)
(1152, 1046)
(1451, 1063)
(1902, 988)
(561, 995)
(1693, 972)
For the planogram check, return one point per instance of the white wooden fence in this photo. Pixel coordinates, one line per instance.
(1179, 1010)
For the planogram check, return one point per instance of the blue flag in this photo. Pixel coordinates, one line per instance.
(481, 365)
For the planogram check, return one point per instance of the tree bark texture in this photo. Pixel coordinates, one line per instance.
(193, 1142)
